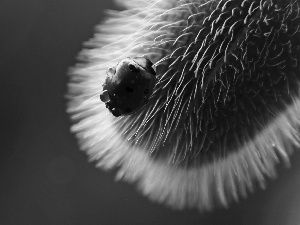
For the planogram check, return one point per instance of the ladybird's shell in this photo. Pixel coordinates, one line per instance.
(128, 86)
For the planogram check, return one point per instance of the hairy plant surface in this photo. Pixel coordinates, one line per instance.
(225, 106)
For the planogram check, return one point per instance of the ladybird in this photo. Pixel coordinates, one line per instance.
(128, 86)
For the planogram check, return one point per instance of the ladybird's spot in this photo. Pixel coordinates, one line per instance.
(129, 89)
(133, 68)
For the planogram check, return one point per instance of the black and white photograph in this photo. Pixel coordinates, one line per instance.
(150, 112)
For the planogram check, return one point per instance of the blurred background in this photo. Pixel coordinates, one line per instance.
(44, 177)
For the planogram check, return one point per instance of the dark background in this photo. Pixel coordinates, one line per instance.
(44, 178)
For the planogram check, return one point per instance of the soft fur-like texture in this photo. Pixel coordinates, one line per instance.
(225, 107)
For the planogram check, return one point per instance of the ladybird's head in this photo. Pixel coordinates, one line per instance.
(128, 86)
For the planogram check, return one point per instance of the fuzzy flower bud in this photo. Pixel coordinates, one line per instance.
(225, 107)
